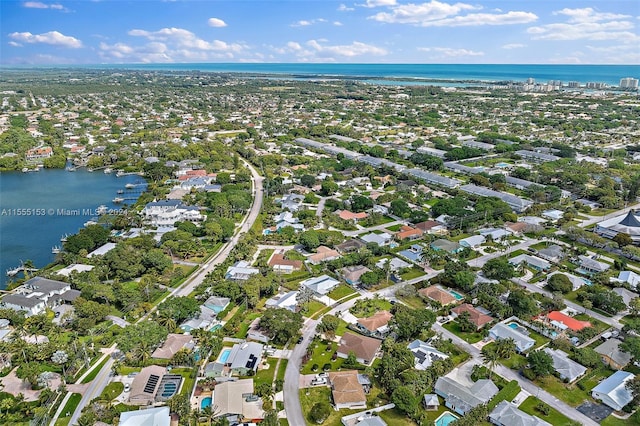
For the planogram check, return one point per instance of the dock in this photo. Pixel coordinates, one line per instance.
(15, 271)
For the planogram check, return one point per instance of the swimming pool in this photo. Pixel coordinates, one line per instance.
(503, 165)
(224, 356)
(458, 296)
(587, 281)
(206, 402)
(445, 418)
(518, 327)
(216, 327)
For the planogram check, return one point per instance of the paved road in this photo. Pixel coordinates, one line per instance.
(595, 219)
(479, 262)
(525, 384)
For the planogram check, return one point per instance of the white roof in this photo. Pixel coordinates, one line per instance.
(76, 267)
(613, 391)
(321, 285)
(150, 417)
(102, 250)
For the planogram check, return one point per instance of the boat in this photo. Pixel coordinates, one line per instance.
(108, 170)
(118, 200)
(120, 191)
(120, 173)
(129, 186)
(90, 222)
(70, 169)
(63, 239)
(55, 249)
(102, 209)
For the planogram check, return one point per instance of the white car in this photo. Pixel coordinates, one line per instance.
(127, 387)
(318, 381)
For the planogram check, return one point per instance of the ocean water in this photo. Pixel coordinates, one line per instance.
(609, 74)
(37, 209)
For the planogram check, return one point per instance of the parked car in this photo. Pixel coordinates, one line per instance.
(318, 381)
(127, 387)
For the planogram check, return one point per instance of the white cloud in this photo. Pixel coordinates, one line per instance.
(348, 50)
(587, 24)
(14, 44)
(337, 23)
(308, 22)
(216, 22)
(185, 39)
(52, 37)
(513, 46)
(379, 3)
(344, 8)
(448, 52)
(438, 14)
(40, 5)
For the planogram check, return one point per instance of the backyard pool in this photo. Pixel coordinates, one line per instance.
(216, 327)
(458, 296)
(518, 327)
(503, 165)
(445, 418)
(206, 402)
(224, 356)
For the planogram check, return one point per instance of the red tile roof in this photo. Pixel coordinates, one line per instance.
(572, 323)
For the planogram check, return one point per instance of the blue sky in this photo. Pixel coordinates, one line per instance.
(365, 31)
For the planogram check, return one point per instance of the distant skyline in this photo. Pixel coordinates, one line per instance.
(366, 31)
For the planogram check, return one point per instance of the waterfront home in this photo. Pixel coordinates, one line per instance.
(612, 355)
(76, 267)
(503, 331)
(365, 348)
(102, 250)
(478, 318)
(566, 368)
(424, 355)
(35, 295)
(240, 271)
(346, 390)
(613, 391)
(168, 212)
(39, 153)
(235, 401)
(508, 414)
(461, 398)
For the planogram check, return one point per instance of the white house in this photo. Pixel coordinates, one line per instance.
(240, 271)
(320, 285)
(424, 354)
(503, 331)
(613, 392)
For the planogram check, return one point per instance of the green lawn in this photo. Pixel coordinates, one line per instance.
(313, 307)
(539, 338)
(321, 357)
(554, 417)
(394, 228)
(507, 393)
(281, 370)
(342, 327)
(188, 381)
(412, 273)
(571, 394)
(396, 417)
(244, 325)
(366, 307)
(470, 337)
(112, 390)
(614, 421)
(266, 375)
(92, 375)
(71, 405)
(309, 397)
(343, 290)
(592, 378)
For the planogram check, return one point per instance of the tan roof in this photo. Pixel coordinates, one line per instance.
(427, 225)
(475, 316)
(353, 273)
(228, 399)
(173, 344)
(278, 259)
(137, 395)
(347, 215)
(346, 388)
(517, 227)
(408, 232)
(363, 347)
(375, 321)
(437, 294)
(323, 253)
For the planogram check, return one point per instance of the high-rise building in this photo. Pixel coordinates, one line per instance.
(573, 84)
(628, 83)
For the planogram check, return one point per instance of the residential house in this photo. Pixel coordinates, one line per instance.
(613, 392)
(38, 293)
(376, 325)
(461, 398)
(532, 262)
(39, 153)
(158, 416)
(553, 215)
(350, 216)
(244, 357)
(172, 344)
(240, 271)
(566, 368)
(502, 331)
(478, 318)
(236, 401)
(75, 267)
(630, 278)
(363, 418)
(255, 333)
(202, 322)
(612, 355)
(494, 234)
(592, 266)
(102, 250)
(168, 212)
(396, 264)
(217, 304)
(517, 228)
(627, 295)
(563, 322)
(320, 285)
(352, 274)
(437, 294)
(365, 348)
(473, 241)
(350, 245)
(281, 265)
(284, 301)
(383, 239)
(446, 245)
(408, 233)
(291, 202)
(145, 384)
(413, 253)
(424, 354)
(508, 414)
(323, 254)
(553, 253)
(432, 227)
(347, 391)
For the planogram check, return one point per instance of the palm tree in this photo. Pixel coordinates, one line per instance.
(505, 348)
(166, 320)
(490, 357)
